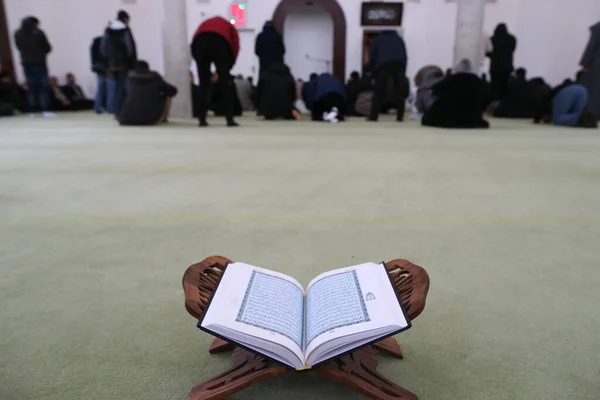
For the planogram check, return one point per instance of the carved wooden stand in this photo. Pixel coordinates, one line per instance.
(357, 369)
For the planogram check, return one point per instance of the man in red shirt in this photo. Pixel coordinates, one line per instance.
(216, 41)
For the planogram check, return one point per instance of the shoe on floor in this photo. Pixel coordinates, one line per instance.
(48, 114)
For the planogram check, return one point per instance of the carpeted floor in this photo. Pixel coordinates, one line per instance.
(98, 224)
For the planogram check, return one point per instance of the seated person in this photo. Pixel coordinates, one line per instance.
(58, 99)
(278, 93)
(460, 100)
(518, 102)
(244, 92)
(75, 94)
(426, 78)
(327, 95)
(352, 91)
(539, 92)
(9, 92)
(364, 100)
(148, 98)
(215, 97)
(565, 105)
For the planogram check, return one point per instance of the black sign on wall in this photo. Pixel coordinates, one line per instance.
(381, 14)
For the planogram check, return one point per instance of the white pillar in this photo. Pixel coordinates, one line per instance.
(469, 42)
(176, 55)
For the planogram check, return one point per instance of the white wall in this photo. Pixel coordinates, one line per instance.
(308, 36)
(551, 33)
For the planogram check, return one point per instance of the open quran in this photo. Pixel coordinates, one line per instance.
(272, 314)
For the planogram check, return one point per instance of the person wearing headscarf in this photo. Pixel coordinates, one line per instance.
(270, 49)
(460, 100)
(501, 60)
(590, 62)
(34, 47)
(426, 79)
(279, 93)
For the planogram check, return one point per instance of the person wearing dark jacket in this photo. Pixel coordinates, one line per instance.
(326, 94)
(519, 101)
(460, 100)
(34, 47)
(279, 93)
(75, 94)
(269, 48)
(590, 62)
(216, 41)
(119, 48)
(565, 105)
(148, 97)
(100, 68)
(8, 92)
(501, 60)
(387, 60)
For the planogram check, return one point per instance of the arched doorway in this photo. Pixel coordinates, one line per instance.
(339, 28)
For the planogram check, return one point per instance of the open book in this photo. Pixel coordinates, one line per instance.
(272, 314)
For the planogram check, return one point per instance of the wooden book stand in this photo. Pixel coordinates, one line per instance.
(357, 369)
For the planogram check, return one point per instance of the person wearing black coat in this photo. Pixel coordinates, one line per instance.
(519, 101)
(34, 47)
(278, 89)
(100, 68)
(118, 46)
(501, 60)
(460, 100)
(148, 97)
(387, 60)
(270, 49)
(8, 92)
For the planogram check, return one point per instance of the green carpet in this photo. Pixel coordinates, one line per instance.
(98, 224)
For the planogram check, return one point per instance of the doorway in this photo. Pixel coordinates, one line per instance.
(333, 8)
(368, 36)
(308, 37)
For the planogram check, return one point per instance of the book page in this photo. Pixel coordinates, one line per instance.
(348, 301)
(259, 303)
(273, 304)
(334, 301)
